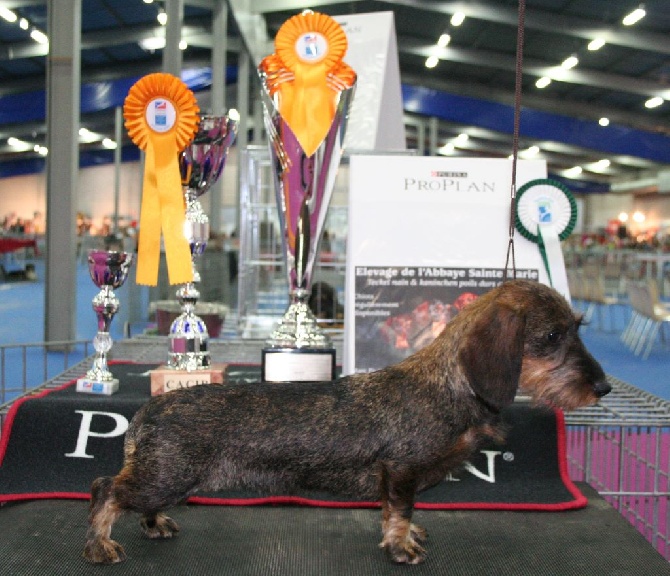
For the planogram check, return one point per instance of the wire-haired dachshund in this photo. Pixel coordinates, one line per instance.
(384, 435)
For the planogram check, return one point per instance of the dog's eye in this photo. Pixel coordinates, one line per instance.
(554, 337)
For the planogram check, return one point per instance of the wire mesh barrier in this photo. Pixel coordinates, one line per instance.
(622, 449)
(24, 367)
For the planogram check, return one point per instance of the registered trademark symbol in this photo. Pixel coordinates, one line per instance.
(508, 456)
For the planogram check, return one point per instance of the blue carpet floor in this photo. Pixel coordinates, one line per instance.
(22, 321)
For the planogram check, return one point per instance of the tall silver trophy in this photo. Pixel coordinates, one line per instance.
(298, 349)
(201, 164)
(108, 271)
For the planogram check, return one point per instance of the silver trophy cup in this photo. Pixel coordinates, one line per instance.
(298, 349)
(108, 271)
(201, 164)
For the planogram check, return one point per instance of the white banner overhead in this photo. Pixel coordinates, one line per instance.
(426, 234)
(376, 118)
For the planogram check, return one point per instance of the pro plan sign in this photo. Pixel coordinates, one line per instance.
(426, 236)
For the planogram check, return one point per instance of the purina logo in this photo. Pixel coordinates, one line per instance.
(442, 174)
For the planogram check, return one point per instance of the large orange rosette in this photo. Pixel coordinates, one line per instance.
(161, 116)
(306, 75)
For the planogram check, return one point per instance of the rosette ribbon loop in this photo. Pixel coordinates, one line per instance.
(161, 116)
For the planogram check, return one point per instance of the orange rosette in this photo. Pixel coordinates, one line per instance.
(307, 74)
(161, 116)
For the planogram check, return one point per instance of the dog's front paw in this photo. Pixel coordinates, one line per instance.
(104, 551)
(159, 526)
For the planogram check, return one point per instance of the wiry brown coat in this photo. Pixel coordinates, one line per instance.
(385, 435)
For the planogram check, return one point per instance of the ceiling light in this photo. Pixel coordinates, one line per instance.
(457, 18)
(574, 171)
(444, 40)
(623, 217)
(183, 44)
(19, 145)
(432, 61)
(570, 62)
(654, 102)
(42, 150)
(448, 148)
(148, 1)
(596, 44)
(604, 121)
(638, 217)
(7, 14)
(151, 44)
(39, 36)
(24, 24)
(87, 136)
(162, 18)
(462, 138)
(109, 143)
(543, 82)
(531, 151)
(635, 16)
(601, 164)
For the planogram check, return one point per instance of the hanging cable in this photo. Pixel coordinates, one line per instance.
(515, 138)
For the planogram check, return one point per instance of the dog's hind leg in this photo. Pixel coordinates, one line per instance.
(402, 539)
(100, 548)
(158, 525)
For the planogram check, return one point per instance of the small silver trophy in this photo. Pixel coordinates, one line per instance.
(200, 164)
(108, 271)
(298, 349)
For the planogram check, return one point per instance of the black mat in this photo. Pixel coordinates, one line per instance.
(46, 537)
(53, 446)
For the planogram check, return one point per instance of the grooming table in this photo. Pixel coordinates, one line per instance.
(47, 537)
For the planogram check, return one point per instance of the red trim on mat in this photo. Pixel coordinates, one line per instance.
(580, 499)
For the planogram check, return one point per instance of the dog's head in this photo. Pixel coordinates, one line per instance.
(525, 335)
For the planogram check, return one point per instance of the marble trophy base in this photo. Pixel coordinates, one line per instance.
(92, 386)
(298, 350)
(297, 364)
(165, 378)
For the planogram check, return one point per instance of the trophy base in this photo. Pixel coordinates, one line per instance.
(297, 364)
(165, 379)
(103, 387)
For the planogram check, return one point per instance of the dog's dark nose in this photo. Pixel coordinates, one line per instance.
(601, 388)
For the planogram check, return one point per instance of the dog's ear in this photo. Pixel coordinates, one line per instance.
(492, 354)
